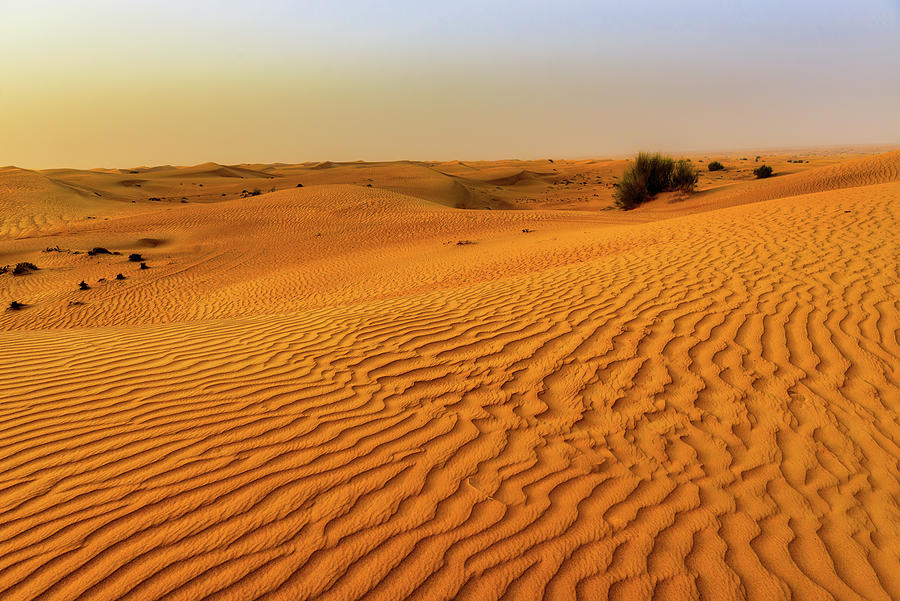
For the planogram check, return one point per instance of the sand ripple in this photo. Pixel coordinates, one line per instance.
(710, 415)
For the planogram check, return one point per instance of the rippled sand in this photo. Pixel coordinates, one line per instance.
(340, 391)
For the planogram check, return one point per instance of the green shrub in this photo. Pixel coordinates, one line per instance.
(716, 166)
(655, 170)
(684, 176)
(651, 174)
(763, 171)
(630, 191)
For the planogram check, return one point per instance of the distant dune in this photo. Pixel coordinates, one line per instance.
(456, 380)
(31, 201)
(865, 171)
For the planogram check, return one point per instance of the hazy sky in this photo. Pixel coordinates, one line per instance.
(126, 82)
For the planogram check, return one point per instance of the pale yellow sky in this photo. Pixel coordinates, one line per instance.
(103, 83)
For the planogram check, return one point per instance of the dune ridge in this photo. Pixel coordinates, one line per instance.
(865, 171)
(30, 201)
(696, 407)
(37, 203)
(280, 251)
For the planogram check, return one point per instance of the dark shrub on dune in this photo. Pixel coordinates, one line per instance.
(630, 191)
(24, 268)
(135, 257)
(716, 166)
(99, 250)
(83, 285)
(144, 266)
(15, 306)
(651, 174)
(762, 172)
(655, 170)
(684, 176)
(119, 276)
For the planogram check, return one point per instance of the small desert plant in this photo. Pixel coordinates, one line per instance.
(144, 266)
(684, 176)
(99, 250)
(630, 191)
(24, 268)
(651, 174)
(716, 166)
(135, 257)
(119, 276)
(82, 285)
(762, 172)
(655, 170)
(757, 158)
(15, 306)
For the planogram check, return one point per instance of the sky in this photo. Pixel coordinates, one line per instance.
(121, 83)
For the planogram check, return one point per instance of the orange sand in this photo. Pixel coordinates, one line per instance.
(341, 391)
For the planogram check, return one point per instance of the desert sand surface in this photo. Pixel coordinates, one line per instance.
(451, 380)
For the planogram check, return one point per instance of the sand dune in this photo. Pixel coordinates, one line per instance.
(287, 250)
(212, 170)
(30, 201)
(881, 168)
(340, 391)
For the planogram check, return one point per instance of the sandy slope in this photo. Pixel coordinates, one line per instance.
(31, 201)
(318, 393)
